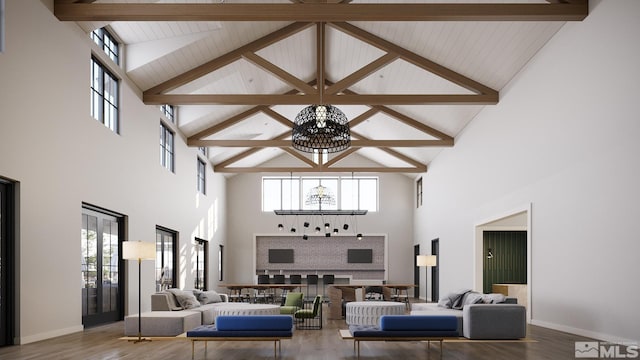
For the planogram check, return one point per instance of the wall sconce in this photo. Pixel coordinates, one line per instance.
(305, 237)
(280, 227)
(490, 254)
(335, 231)
(345, 227)
(306, 224)
(293, 229)
(317, 229)
(359, 236)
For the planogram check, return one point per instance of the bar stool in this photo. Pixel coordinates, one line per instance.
(279, 279)
(295, 279)
(312, 280)
(327, 279)
(262, 295)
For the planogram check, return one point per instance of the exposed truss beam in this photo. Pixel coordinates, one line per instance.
(267, 99)
(575, 10)
(227, 58)
(415, 59)
(354, 143)
(350, 169)
(280, 73)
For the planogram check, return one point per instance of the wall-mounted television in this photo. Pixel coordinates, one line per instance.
(362, 256)
(280, 256)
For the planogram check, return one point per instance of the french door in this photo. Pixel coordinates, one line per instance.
(102, 280)
(7, 267)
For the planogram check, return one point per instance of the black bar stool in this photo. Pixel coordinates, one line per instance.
(327, 279)
(312, 280)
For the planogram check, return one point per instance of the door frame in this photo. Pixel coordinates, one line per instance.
(478, 242)
(9, 254)
(416, 272)
(105, 318)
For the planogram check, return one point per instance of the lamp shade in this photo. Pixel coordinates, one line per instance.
(426, 260)
(138, 250)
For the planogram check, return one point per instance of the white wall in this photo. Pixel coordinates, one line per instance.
(62, 157)
(394, 219)
(564, 137)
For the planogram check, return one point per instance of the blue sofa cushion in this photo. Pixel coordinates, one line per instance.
(210, 331)
(374, 331)
(246, 326)
(254, 322)
(418, 323)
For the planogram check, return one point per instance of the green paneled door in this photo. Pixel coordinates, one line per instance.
(505, 258)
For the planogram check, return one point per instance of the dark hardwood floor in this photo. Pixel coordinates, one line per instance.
(104, 343)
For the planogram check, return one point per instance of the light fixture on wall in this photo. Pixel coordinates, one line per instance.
(138, 250)
(426, 261)
(490, 254)
(321, 128)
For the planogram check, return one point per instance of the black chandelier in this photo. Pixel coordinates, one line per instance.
(321, 127)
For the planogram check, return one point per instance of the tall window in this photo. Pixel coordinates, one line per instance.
(166, 147)
(166, 245)
(202, 177)
(108, 43)
(1, 26)
(289, 193)
(104, 96)
(203, 151)
(202, 264)
(359, 193)
(168, 111)
(419, 192)
(221, 263)
(280, 194)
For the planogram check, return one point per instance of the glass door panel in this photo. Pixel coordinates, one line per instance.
(102, 300)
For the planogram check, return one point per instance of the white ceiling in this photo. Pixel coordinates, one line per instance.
(488, 52)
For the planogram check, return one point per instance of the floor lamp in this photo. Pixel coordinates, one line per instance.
(138, 250)
(426, 261)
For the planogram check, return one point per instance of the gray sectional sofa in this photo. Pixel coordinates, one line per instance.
(480, 316)
(204, 302)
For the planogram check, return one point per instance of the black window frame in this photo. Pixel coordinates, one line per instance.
(105, 104)
(220, 262)
(419, 192)
(167, 152)
(161, 262)
(202, 177)
(108, 43)
(169, 112)
(201, 250)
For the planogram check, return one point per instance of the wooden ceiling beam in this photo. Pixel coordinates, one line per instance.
(354, 143)
(394, 153)
(227, 58)
(246, 153)
(279, 73)
(576, 10)
(415, 59)
(361, 99)
(299, 156)
(361, 73)
(317, 169)
(226, 123)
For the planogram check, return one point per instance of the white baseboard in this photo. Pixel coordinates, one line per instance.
(48, 335)
(582, 332)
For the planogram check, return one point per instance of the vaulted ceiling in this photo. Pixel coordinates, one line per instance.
(408, 76)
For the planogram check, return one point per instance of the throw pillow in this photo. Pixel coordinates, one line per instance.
(186, 299)
(445, 302)
(208, 297)
(493, 298)
(472, 298)
(456, 301)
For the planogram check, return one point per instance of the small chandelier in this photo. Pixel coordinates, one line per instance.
(321, 127)
(320, 195)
